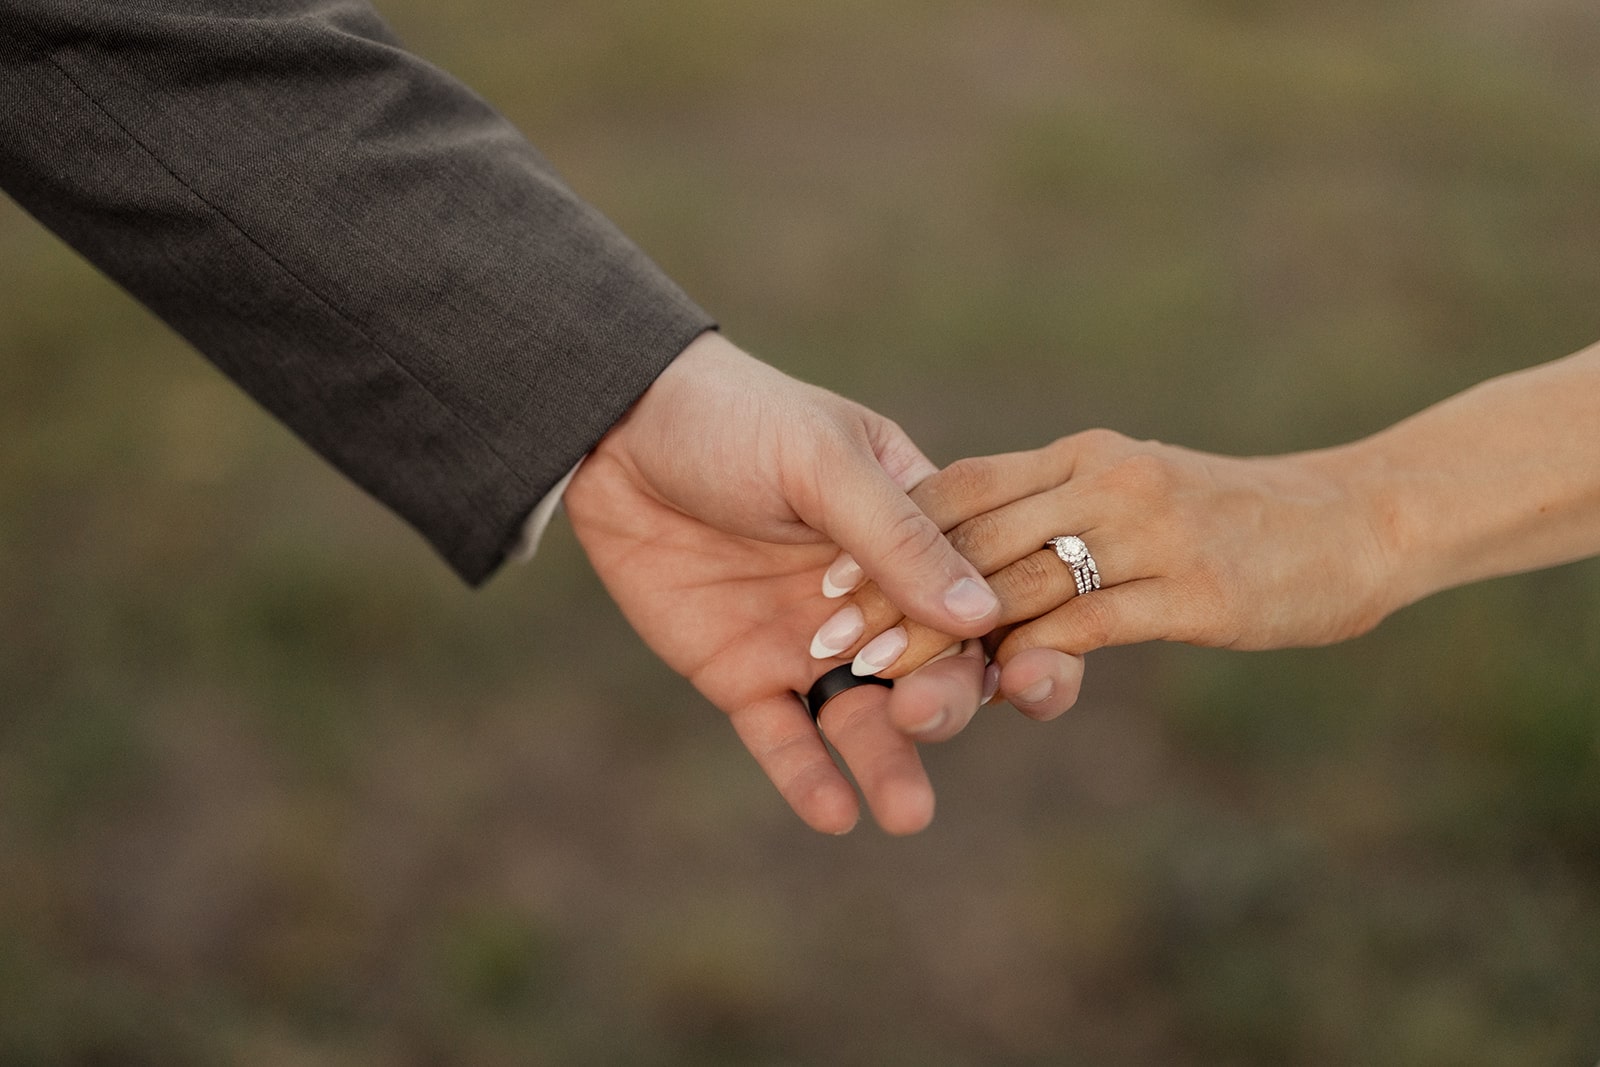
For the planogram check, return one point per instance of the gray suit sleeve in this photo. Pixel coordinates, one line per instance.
(359, 241)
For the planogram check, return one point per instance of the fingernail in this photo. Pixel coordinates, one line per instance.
(842, 577)
(970, 600)
(991, 683)
(880, 652)
(838, 633)
(1037, 692)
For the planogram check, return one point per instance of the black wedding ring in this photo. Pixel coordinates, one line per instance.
(836, 681)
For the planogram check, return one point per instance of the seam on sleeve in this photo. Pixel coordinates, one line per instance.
(284, 268)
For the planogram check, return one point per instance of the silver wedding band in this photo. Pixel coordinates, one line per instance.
(1075, 554)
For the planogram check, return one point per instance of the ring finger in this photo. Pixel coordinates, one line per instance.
(1034, 585)
(992, 541)
(883, 760)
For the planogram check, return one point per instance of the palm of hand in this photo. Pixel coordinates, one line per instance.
(733, 615)
(710, 513)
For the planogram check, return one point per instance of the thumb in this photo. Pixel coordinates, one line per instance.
(864, 510)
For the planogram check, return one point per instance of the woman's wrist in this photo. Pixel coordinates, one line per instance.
(1377, 546)
(1497, 480)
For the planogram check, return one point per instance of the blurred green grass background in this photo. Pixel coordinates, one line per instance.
(275, 790)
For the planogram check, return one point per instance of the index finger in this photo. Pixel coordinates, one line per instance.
(954, 496)
(969, 487)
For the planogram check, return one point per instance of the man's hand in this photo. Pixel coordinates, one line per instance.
(711, 512)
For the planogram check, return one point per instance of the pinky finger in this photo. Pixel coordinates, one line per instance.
(1042, 683)
(1116, 615)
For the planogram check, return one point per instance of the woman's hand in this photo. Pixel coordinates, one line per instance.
(1303, 549)
(1205, 549)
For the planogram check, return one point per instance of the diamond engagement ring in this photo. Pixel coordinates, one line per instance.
(1075, 554)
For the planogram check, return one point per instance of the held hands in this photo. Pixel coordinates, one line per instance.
(711, 513)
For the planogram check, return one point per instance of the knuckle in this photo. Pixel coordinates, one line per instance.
(1035, 581)
(843, 720)
(812, 792)
(976, 537)
(912, 537)
(965, 480)
(1141, 475)
(789, 762)
(1094, 624)
(1095, 441)
(1062, 446)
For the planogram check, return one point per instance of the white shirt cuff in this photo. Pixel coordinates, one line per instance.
(539, 519)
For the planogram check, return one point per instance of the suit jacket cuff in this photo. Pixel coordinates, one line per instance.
(357, 239)
(539, 519)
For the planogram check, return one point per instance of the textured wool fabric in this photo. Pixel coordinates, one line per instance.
(357, 239)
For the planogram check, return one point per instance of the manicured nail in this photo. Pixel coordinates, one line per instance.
(970, 600)
(1038, 692)
(838, 633)
(991, 683)
(880, 652)
(842, 577)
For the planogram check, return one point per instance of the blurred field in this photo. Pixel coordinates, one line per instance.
(275, 790)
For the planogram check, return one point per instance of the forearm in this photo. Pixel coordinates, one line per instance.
(1500, 479)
